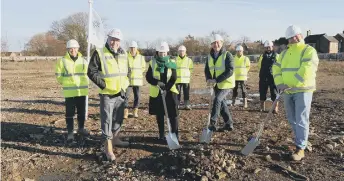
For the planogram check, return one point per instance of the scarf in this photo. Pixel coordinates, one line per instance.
(163, 62)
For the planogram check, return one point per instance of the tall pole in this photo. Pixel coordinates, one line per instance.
(90, 2)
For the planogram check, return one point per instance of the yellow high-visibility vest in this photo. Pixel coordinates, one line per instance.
(154, 90)
(72, 75)
(184, 69)
(114, 72)
(241, 67)
(218, 69)
(137, 66)
(296, 68)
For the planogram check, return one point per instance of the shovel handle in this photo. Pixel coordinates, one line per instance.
(210, 104)
(163, 95)
(261, 127)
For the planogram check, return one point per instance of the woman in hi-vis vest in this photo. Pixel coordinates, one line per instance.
(162, 74)
(71, 73)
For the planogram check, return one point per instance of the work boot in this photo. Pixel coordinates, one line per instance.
(275, 111)
(126, 113)
(262, 106)
(187, 105)
(108, 151)
(298, 155)
(227, 127)
(245, 102)
(83, 132)
(118, 142)
(233, 101)
(212, 126)
(136, 110)
(70, 137)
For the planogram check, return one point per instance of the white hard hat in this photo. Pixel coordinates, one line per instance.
(182, 48)
(216, 37)
(163, 47)
(292, 31)
(116, 33)
(133, 44)
(268, 43)
(239, 48)
(73, 44)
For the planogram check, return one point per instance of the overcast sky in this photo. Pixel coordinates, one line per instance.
(174, 19)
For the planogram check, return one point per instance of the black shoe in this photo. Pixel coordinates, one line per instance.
(161, 140)
(212, 128)
(227, 127)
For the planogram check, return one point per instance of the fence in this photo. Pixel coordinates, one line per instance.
(196, 59)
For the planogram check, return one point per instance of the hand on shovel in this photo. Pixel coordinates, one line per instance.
(211, 82)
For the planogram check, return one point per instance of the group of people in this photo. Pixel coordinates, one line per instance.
(117, 73)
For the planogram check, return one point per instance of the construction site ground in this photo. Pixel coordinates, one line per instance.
(33, 133)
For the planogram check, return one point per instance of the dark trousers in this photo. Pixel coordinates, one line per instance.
(161, 125)
(220, 107)
(264, 85)
(242, 85)
(72, 103)
(136, 90)
(186, 91)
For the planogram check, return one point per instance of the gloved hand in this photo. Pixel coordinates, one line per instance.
(161, 85)
(211, 82)
(282, 87)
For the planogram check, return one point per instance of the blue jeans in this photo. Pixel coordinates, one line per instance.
(298, 107)
(220, 107)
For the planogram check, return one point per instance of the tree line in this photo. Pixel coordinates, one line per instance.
(53, 42)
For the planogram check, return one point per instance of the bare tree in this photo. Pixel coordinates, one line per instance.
(73, 27)
(245, 39)
(45, 44)
(4, 45)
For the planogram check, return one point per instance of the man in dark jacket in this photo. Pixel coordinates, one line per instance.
(266, 79)
(219, 71)
(108, 69)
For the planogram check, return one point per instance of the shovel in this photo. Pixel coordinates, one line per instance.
(206, 133)
(171, 138)
(254, 142)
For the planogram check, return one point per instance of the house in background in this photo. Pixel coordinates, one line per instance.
(322, 42)
(340, 38)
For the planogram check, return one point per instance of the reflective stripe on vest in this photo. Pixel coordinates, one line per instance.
(74, 84)
(241, 69)
(154, 90)
(136, 70)
(295, 70)
(217, 69)
(114, 72)
(183, 70)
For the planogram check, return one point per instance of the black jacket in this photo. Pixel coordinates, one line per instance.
(156, 106)
(229, 64)
(266, 65)
(163, 76)
(95, 68)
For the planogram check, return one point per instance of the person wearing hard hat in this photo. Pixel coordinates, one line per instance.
(108, 69)
(241, 68)
(162, 74)
(71, 73)
(266, 79)
(184, 71)
(137, 66)
(219, 72)
(295, 73)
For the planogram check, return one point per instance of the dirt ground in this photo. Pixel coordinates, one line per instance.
(33, 135)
